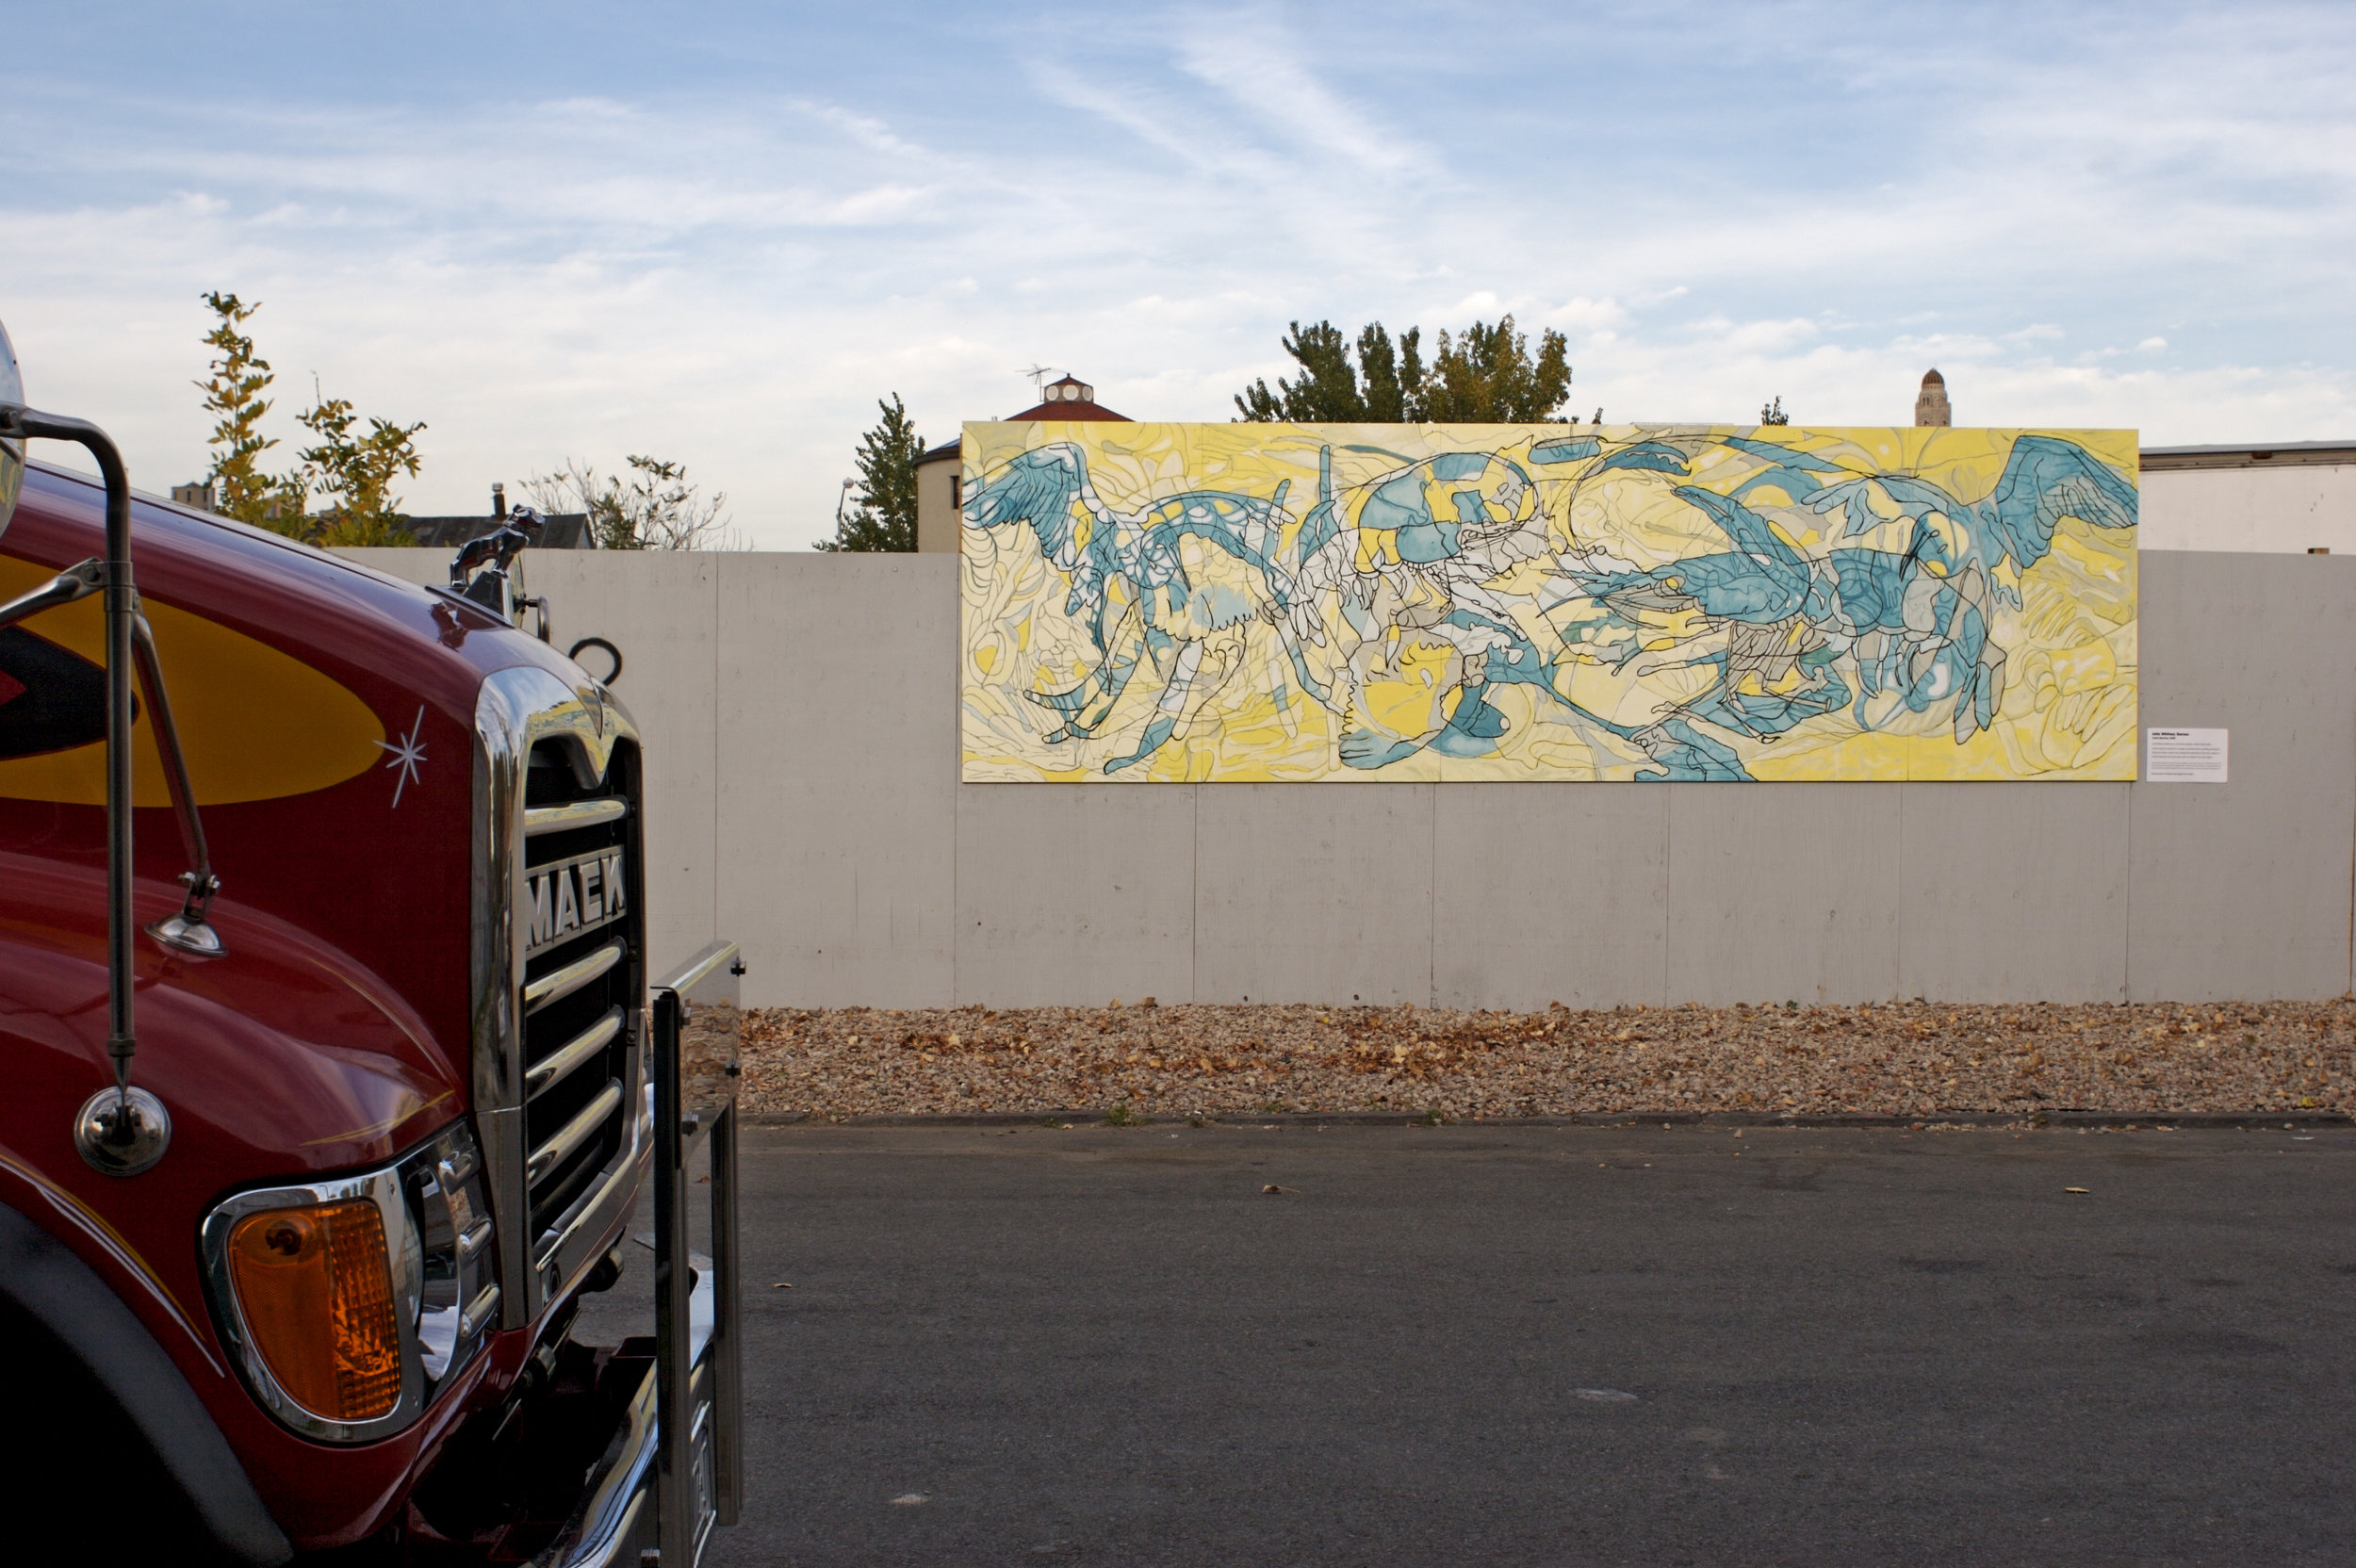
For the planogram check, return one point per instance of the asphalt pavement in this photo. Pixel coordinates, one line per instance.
(1544, 1344)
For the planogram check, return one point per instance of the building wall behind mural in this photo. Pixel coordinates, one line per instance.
(1268, 603)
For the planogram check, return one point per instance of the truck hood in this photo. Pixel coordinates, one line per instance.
(328, 714)
(284, 1054)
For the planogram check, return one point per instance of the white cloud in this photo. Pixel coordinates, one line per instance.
(1768, 336)
(1254, 64)
(1065, 85)
(1581, 314)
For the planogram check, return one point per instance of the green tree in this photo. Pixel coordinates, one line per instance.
(882, 512)
(241, 488)
(1486, 376)
(358, 472)
(1392, 378)
(1772, 414)
(659, 508)
(1327, 392)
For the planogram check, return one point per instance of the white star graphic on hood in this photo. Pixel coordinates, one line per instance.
(406, 756)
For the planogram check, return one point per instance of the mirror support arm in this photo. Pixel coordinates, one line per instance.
(187, 930)
(122, 609)
(125, 1131)
(76, 582)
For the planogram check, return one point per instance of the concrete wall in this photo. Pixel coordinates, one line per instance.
(801, 718)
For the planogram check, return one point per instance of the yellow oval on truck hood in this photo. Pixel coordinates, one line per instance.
(255, 724)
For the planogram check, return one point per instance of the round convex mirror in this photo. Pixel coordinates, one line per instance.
(11, 452)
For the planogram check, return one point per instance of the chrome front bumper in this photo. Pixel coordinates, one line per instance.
(605, 1530)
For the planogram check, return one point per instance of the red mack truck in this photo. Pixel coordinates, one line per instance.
(336, 1071)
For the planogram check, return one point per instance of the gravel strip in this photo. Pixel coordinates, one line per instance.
(1904, 1059)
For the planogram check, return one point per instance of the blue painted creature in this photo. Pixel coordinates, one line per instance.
(1173, 587)
(1917, 622)
(1396, 627)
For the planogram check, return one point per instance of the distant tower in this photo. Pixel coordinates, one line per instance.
(1930, 406)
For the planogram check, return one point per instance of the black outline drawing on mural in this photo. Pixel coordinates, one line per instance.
(1399, 585)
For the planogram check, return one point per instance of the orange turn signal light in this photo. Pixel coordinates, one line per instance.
(316, 1292)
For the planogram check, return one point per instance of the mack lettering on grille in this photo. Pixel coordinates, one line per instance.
(576, 895)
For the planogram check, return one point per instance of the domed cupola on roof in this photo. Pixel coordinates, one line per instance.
(1069, 399)
(1930, 405)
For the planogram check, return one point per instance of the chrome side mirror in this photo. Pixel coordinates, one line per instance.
(11, 450)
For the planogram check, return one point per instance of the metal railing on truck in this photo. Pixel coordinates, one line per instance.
(698, 1365)
(681, 1447)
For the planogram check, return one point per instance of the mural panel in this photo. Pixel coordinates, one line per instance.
(1172, 602)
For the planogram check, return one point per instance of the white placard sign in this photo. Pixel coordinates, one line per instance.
(2185, 756)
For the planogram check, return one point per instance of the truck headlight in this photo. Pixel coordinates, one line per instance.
(349, 1301)
(314, 1287)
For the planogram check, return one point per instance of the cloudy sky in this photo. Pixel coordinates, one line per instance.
(719, 233)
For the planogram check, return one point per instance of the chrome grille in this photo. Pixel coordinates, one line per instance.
(559, 978)
(581, 923)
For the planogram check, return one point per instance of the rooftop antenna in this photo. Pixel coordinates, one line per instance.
(1038, 374)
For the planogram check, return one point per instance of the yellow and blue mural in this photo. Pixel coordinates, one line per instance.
(1253, 602)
